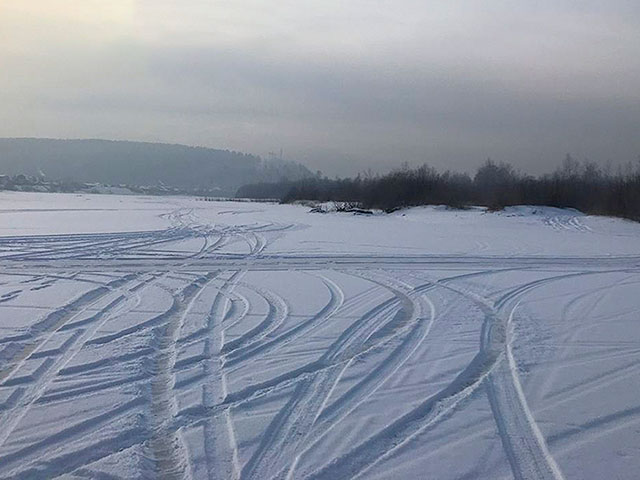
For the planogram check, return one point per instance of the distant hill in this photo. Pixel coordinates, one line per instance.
(140, 163)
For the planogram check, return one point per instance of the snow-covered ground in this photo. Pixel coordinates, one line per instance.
(148, 337)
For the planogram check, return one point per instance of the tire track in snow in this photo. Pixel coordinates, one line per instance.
(40, 332)
(220, 450)
(419, 325)
(419, 320)
(232, 261)
(439, 406)
(522, 439)
(53, 467)
(234, 316)
(218, 414)
(276, 316)
(295, 420)
(164, 448)
(429, 413)
(523, 442)
(384, 309)
(266, 345)
(33, 392)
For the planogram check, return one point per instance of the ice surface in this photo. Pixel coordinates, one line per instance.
(151, 337)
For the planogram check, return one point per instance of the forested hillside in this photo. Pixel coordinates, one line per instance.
(138, 163)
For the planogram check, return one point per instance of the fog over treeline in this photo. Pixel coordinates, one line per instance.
(585, 186)
(139, 163)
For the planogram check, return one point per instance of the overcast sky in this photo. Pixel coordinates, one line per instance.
(340, 86)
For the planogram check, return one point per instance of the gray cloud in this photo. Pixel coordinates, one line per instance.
(342, 88)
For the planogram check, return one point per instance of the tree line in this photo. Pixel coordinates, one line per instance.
(584, 186)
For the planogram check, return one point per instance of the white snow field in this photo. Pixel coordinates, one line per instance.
(172, 338)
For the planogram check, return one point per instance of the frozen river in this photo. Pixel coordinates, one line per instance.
(151, 337)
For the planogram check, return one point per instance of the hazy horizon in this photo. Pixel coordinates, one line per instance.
(338, 87)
